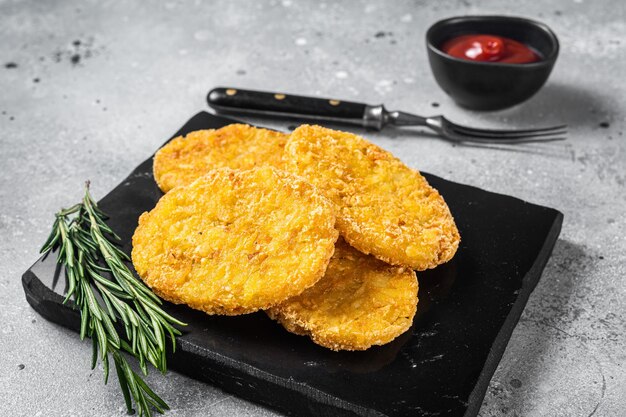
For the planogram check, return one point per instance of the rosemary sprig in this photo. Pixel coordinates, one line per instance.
(106, 293)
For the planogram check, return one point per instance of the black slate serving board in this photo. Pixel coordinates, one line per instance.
(440, 367)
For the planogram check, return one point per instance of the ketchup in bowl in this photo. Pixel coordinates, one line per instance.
(490, 48)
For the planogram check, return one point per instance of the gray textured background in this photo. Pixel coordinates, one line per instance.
(97, 86)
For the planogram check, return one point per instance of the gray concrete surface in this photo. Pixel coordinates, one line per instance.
(90, 89)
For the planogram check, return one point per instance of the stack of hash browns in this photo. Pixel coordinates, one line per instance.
(321, 229)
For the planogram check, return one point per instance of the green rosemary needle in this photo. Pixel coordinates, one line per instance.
(107, 294)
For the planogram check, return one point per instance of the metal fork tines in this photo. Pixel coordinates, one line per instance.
(458, 133)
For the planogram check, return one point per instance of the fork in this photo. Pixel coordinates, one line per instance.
(259, 103)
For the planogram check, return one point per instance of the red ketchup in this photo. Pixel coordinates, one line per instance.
(490, 48)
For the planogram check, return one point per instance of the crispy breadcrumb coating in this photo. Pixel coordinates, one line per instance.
(236, 146)
(360, 302)
(384, 208)
(234, 242)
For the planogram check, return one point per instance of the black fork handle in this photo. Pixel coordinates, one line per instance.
(262, 103)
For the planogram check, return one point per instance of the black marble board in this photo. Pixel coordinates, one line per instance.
(440, 367)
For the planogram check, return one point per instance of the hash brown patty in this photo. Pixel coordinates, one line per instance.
(360, 302)
(384, 208)
(234, 242)
(236, 146)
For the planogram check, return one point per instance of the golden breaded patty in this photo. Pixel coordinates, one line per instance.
(234, 242)
(384, 208)
(236, 146)
(360, 302)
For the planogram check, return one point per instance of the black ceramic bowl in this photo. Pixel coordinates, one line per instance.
(491, 85)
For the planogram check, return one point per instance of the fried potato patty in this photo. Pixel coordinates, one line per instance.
(360, 302)
(234, 242)
(384, 208)
(236, 146)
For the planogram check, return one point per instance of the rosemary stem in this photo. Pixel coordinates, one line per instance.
(94, 266)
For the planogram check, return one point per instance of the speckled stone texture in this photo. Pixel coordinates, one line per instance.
(90, 89)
